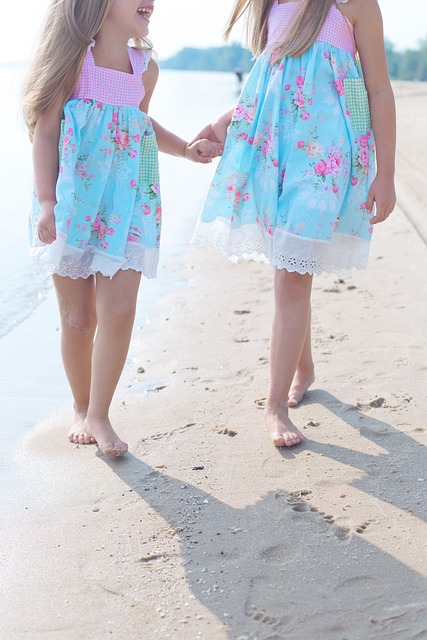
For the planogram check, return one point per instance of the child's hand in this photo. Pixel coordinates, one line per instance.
(383, 196)
(219, 128)
(202, 150)
(216, 131)
(46, 225)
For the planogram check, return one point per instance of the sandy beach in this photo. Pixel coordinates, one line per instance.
(206, 531)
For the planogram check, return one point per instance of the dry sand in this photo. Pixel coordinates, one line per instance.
(205, 530)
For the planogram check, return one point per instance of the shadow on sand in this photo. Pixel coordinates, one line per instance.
(280, 568)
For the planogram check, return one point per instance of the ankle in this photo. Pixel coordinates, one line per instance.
(97, 416)
(80, 410)
(275, 406)
(306, 369)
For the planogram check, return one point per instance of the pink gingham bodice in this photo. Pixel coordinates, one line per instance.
(110, 86)
(337, 30)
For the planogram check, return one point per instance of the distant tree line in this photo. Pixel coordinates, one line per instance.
(227, 58)
(403, 65)
(410, 64)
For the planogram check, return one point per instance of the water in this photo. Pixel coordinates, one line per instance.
(21, 290)
(183, 102)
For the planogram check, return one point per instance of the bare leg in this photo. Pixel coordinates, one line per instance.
(304, 375)
(292, 293)
(76, 300)
(115, 307)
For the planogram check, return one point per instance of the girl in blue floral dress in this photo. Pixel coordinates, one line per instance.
(96, 216)
(298, 185)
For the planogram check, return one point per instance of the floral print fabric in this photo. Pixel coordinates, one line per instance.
(108, 212)
(291, 186)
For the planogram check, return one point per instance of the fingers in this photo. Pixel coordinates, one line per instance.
(379, 206)
(381, 212)
(381, 199)
(379, 217)
(370, 201)
(203, 151)
(47, 233)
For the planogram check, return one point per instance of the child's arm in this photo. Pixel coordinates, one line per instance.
(369, 36)
(199, 151)
(168, 142)
(216, 131)
(45, 167)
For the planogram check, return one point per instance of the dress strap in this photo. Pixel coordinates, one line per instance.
(140, 59)
(348, 23)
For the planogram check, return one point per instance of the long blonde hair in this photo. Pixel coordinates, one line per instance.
(296, 39)
(69, 28)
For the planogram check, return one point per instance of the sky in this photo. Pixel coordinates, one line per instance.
(197, 23)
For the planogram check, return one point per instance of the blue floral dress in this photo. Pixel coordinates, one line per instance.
(108, 211)
(291, 186)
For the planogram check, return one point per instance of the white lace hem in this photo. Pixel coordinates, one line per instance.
(284, 250)
(64, 260)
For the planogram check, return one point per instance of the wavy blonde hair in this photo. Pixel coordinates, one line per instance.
(296, 39)
(68, 29)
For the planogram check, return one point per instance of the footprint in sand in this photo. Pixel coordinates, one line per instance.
(362, 527)
(260, 403)
(298, 501)
(166, 434)
(260, 616)
(296, 497)
(311, 423)
(226, 431)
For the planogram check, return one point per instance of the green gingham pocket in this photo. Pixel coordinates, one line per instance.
(358, 104)
(149, 160)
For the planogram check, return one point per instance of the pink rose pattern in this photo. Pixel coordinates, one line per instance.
(103, 203)
(292, 160)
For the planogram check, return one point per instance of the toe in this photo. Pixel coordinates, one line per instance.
(292, 439)
(114, 449)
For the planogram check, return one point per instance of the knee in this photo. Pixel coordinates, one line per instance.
(78, 322)
(121, 313)
(293, 284)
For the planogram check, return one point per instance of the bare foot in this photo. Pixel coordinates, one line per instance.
(282, 431)
(107, 439)
(78, 434)
(300, 384)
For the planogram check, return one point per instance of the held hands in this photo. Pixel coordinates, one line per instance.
(381, 199)
(216, 131)
(46, 226)
(202, 150)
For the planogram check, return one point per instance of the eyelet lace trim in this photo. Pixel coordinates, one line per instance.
(63, 260)
(284, 250)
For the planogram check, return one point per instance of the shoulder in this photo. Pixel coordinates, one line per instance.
(150, 75)
(359, 11)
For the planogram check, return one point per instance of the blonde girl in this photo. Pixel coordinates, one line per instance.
(96, 215)
(298, 186)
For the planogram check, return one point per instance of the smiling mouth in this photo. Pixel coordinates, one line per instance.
(145, 12)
